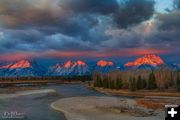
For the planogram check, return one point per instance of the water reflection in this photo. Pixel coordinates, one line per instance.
(37, 107)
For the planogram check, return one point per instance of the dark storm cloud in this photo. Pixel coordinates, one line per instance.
(78, 25)
(167, 33)
(125, 13)
(170, 21)
(177, 4)
(22, 14)
(125, 38)
(169, 27)
(92, 6)
(63, 43)
(70, 24)
(133, 12)
(19, 40)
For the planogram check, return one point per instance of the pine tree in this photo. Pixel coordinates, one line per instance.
(139, 84)
(99, 81)
(144, 82)
(111, 84)
(178, 83)
(132, 83)
(119, 83)
(96, 81)
(152, 81)
(105, 82)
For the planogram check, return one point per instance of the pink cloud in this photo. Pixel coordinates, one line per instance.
(73, 54)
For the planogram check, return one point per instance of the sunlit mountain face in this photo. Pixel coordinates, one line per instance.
(81, 68)
(19, 64)
(76, 63)
(103, 63)
(146, 59)
(73, 33)
(22, 68)
(69, 68)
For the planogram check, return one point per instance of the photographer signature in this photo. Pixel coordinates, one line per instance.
(12, 115)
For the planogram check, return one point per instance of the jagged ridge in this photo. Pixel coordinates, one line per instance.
(70, 68)
(22, 68)
(146, 59)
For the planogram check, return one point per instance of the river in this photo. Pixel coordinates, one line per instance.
(37, 106)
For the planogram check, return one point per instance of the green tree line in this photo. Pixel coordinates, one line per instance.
(139, 82)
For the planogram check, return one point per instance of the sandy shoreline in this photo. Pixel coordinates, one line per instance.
(24, 93)
(104, 108)
(140, 93)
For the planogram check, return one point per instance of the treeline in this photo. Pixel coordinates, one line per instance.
(65, 78)
(138, 80)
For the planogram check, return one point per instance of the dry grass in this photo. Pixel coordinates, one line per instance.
(140, 93)
(150, 104)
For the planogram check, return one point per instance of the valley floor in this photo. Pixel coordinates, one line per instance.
(82, 103)
(105, 108)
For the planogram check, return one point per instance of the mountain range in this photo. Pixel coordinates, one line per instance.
(79, 68)
(22, 68)
(69, 68)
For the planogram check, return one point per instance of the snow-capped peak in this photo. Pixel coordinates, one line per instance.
(22, 68)
(70, 63)
(70, 68)
(19, 64)
(149, 59)
(80, 63)
(57, 66)
(103, 63)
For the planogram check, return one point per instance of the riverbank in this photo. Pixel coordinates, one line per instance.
(80, 103)
(149, 99)
(11, 90)
(27, 92)
(140, 93)
(104, 108)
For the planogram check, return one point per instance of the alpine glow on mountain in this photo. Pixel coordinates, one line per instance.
(150, 59)
(103, 63)
(69, 68)
(72, 63)
(22, 68)
(19, 64)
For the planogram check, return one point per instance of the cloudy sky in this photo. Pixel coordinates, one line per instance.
(89, 28)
